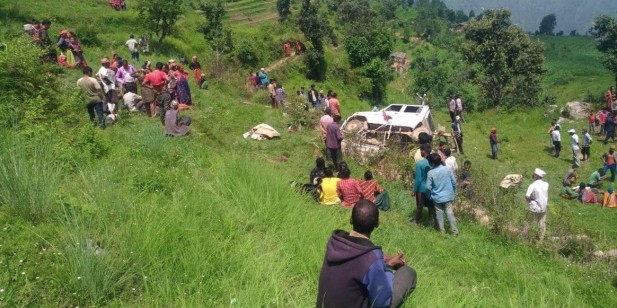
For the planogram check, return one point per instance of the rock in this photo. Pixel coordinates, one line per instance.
(576, 110)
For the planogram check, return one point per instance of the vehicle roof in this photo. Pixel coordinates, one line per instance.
(399, 114)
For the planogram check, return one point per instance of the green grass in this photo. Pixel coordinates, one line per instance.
(574, 68)
(141, 220)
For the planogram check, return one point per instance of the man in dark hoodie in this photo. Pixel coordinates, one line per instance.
(356, 273)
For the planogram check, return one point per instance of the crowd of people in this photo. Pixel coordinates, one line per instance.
(161, 91)
(278, 95)
(602, 124)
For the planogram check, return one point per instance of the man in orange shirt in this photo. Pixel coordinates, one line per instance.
(157, 80)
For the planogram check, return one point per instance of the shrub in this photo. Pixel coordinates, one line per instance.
(28, 180)
(246, 53)
(299, 113)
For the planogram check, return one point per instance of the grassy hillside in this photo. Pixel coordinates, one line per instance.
(571, 15)
(574, 70)
(141, 220)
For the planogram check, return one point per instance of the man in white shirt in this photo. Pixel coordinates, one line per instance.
(132, 101)
(132, 45)
(107, 78)
(537, 201)
(575, 147)
(556, 138)
(451, 161)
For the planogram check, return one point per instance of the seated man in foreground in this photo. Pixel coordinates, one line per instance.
(356, 273)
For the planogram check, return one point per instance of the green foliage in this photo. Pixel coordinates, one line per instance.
(160, 16)
(214, 14)
(511, 64)
(361, 48)
(547, 25)
(604, 30)
(316, 64)
(28, 92)
(300, 113)
(246, 52)
(314, 26)
(283, 9)
(28, 180)
(380, 74)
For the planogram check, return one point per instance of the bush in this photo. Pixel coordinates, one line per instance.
(300, 114)
(28, 180)
(316, 65)
(246, 53)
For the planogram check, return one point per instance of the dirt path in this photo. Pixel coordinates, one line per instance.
(282, 61)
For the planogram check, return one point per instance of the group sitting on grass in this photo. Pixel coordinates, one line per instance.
(345, 190)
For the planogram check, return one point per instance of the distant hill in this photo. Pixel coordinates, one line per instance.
(571, 15)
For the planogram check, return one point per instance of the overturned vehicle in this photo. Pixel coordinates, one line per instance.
(366, 133)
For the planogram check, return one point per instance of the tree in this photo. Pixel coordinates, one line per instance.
(219, 37)
(510, 64)
(282, 6)
(315, 27)
(362, 47)
(547, 25)
(472, 14)
(559, 33)
(573, 33)
(604, 30)
(160, 16)
(380, 74)
(461, 16)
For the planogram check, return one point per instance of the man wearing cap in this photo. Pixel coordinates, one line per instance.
(457, 132)
(537, 200)
(575, 147)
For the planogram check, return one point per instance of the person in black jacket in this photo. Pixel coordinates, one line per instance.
(356, 273)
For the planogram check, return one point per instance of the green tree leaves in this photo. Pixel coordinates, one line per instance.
(511, 64)
(547, 25)
(160, 16)
(604, 30)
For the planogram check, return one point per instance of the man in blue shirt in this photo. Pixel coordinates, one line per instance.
(419, 187)
(441, 188)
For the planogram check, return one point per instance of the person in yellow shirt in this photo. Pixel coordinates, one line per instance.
(328, 188)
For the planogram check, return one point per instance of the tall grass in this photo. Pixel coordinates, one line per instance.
(29, 178)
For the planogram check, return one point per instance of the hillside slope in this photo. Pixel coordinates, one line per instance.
(210, 220)
(571, 14)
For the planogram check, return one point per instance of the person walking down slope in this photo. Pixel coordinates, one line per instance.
(609, 127)
(356, 273)
(537, 200)
(132, 44)
(575, 147)
(93, 94)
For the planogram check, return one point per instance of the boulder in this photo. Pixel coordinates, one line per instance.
(576, 110)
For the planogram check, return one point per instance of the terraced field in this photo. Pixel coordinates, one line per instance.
(250, 12)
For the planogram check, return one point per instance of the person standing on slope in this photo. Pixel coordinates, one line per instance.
(537, 201)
